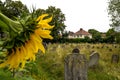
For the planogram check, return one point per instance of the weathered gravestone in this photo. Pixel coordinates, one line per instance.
(94, 59)
(76, 66)
(98, 47)
(115, 46)
(102, 46)
(93, 47)
(115, 58)
(88, 46)
(110, 49)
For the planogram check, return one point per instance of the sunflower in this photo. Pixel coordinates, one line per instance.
(27, 42)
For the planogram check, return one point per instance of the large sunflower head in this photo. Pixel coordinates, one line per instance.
(27, 40)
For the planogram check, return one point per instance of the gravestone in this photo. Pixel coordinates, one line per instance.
(98, 47)
(94, 59)
(110, 49)
(76, 66)
(115, 58)
(107, 47)
(93, 47)
(88, 46)
(92, 51)
(102, 47)
(115, 46)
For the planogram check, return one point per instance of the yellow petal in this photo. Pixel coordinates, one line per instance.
(31, 54)
(14, 60)
(23, 64)
(27, 51)
(41, 47)
(38, 43)
(23, 54)
(36, 37)
(43, 33)
(41, 17)
(33, 42)
(47, 20)
(45, 26)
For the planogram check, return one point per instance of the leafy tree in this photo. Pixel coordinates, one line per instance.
(110, 32)
(65, 34)
(95, 35)
(87, 39)
(110, 35)
(13, 9)
(58, 21)
(114, 12)
(1, 5)
(39, 12)
(117, 37)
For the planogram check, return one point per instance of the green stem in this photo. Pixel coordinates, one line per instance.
(14, 25)
(3, 26)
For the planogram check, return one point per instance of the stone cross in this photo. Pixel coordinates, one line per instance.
(76, 66)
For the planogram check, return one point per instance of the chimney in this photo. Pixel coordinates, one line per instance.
(81, 29)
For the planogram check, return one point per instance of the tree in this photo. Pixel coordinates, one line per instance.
(58, 21)
(110, 35)
(87, 39)
(13, 9)
(1, 5)
(110, 32)
(95, 35)
(114, 12)
(65, 34)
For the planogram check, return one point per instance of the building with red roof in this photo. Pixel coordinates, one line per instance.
(79, 34)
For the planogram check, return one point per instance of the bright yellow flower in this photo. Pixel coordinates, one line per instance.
(20, 55)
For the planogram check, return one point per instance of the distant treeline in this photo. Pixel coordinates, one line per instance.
(80, 40)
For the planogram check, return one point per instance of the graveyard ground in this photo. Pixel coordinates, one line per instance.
(50, 66)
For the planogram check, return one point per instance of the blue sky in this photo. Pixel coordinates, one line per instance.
(86, 14)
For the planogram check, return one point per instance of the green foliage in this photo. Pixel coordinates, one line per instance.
(57, 21)
(18, 31)
(95, 35)
(5, 75)
(8, 27)
(110, 32)
(114, 12)
(13, 9)
(98, 75)
(118, 37)
(110, 35)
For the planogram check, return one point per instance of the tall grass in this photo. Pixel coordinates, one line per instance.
(50, 66)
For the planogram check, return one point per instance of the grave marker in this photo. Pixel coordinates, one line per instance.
(115, 58)
(76, 66)
(94, 59)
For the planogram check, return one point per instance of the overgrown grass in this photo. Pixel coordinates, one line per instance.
(50, 66)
